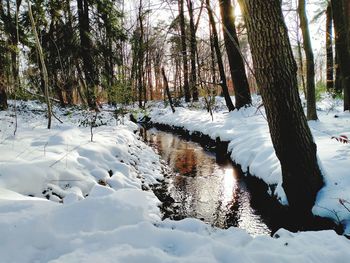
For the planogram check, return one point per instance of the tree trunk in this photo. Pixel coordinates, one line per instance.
(338, 89)
(86, 52)
(301, 65)
(166, 86)
(237, 69)
(43, 66)
(310, 64)
(212, 62)
(3, 97)
(223, 83)
(141, 85)
(329, 49)
(346, 4)
(342, 48)
(3, 94)
(3, 91)
(193, 48)
(184, 51)
(276, 75)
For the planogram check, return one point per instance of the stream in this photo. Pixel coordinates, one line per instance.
(209, 187)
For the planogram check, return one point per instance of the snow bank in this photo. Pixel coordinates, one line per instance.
(97, 212)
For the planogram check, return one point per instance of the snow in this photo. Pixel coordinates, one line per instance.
(66, 199)
(250, 145)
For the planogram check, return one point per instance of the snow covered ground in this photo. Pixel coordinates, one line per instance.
(251, 147)
(66, 199)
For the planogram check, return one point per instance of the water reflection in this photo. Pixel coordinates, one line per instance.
(203, 188)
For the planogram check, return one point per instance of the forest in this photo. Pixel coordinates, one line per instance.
(174, 130)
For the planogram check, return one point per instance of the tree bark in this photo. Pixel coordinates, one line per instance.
(166, 86)
(184, 51)
(223, 82)
(3, 93)
(43, 66)
(310, 64)
(86, 52)
(301, 65)
(237, 69)
(276, 75)
(141, 85)
(342, 48)
(329, 49)
(193, 48)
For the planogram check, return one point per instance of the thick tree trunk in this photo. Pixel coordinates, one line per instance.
(329, 49)
(184, 51)
(193, 48)
(86, 52)
(71, 77)
(3, 91)
(237, 69)
(346, 4)
(342, 48)
(310, 64)
(3, 94)
(10, 23)
(276, 75)
(223, 82)
(338, 89)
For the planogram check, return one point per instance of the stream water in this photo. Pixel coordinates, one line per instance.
(209, 187)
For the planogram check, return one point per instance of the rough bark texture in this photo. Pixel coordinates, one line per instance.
(86, 52)
(342, 48)
(329, 49)
(237, 69)
(223, 82)
(310, 64)
(193, 48)
(347, 18)
(184, 51)
(140, 69)
(276, 75)
(301, 65)
(3, 94)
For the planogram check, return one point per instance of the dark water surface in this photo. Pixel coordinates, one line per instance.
(210, 187)
(204, 188)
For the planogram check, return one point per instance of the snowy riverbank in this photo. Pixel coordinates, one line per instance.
(250, 146)
(97, 210)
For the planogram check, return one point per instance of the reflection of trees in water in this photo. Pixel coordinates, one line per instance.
(185, 161)
(204, 188)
